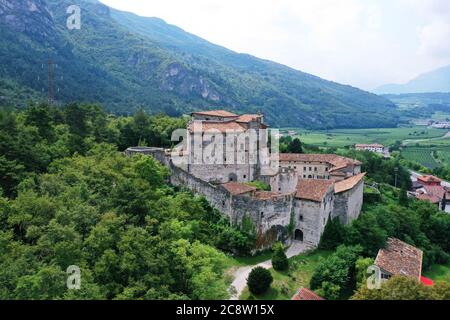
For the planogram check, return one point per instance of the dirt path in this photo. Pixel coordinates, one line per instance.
(240, 275)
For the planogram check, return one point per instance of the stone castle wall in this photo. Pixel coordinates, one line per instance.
(348, 204)
(270, 214)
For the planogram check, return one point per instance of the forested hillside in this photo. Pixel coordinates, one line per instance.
(126, 62)
(69, 197)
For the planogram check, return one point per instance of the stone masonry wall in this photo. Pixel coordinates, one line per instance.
(348, 204)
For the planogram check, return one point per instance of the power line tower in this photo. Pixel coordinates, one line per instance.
(51, 95)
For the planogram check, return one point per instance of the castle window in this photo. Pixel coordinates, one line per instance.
(304, 176)
(304, 168)
(295, 167)
(245, 177)
(310, 168)
(326, 169)
(315, 168)
(300, 217)
(223, 203)
(262, 215)
(279, 189)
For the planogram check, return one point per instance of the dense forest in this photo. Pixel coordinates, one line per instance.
(69, 196)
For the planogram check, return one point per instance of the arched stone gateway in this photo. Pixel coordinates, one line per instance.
(298, 235)
(232, 177)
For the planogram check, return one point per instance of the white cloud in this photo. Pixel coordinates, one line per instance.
(435, 40)
(365, 43)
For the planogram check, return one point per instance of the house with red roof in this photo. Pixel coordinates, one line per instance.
(430, 188)
(400, 258)
(306, 294)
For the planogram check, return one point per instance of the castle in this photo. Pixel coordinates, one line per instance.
(223, 153)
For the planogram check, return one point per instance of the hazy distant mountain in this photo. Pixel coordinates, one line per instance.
(124, 62)
(434, 81)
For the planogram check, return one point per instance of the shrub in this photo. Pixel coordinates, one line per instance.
(280, 261)
(259, 280)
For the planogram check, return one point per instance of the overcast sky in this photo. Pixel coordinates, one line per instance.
(365, 43)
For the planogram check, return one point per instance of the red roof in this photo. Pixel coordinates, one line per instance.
(306, 294)
(238, 188)
(314, 190)
(426, 281)
(246, 118)
(400, 258)
(427, 197)
(438, 191)
(429, 179)
(216, 113)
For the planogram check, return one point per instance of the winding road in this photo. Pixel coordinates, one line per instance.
(240, 275)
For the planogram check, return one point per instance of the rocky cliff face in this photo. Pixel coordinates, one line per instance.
(30, 17)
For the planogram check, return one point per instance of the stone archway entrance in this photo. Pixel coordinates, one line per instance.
(298, 236)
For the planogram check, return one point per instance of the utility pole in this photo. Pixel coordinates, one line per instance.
(51, 96)
(396, 173)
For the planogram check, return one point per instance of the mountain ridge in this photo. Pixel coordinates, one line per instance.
(434, 81)
(125, 62)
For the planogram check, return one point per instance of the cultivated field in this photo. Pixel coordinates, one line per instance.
(349, 137)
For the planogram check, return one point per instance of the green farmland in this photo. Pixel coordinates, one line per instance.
(349, 137)
(430, 156)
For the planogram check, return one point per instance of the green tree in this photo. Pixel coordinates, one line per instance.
(295, 146)
(280, 261)
(259, 280)
(336, 274)
(333, 235)
(404, 288)
(403, 197)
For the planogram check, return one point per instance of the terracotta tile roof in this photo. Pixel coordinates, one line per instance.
(427, 197)
(245, 118)
(238, 188)
(437, 191)
(201, 126)
(314, 190)
(216, 113)
(349, 183)
(306, 294)
(400, 258)
(336, 161)
(429, 179)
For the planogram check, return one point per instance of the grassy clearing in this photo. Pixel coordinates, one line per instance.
(237, 262)
(349, 137)
(286, 284)
(439, 272)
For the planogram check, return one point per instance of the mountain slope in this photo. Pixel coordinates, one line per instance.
(124, 62)
(434, 81)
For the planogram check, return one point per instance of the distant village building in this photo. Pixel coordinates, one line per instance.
(400, 258)
(440, 124)
(306, 294)
(375, 147)
(306, 190)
